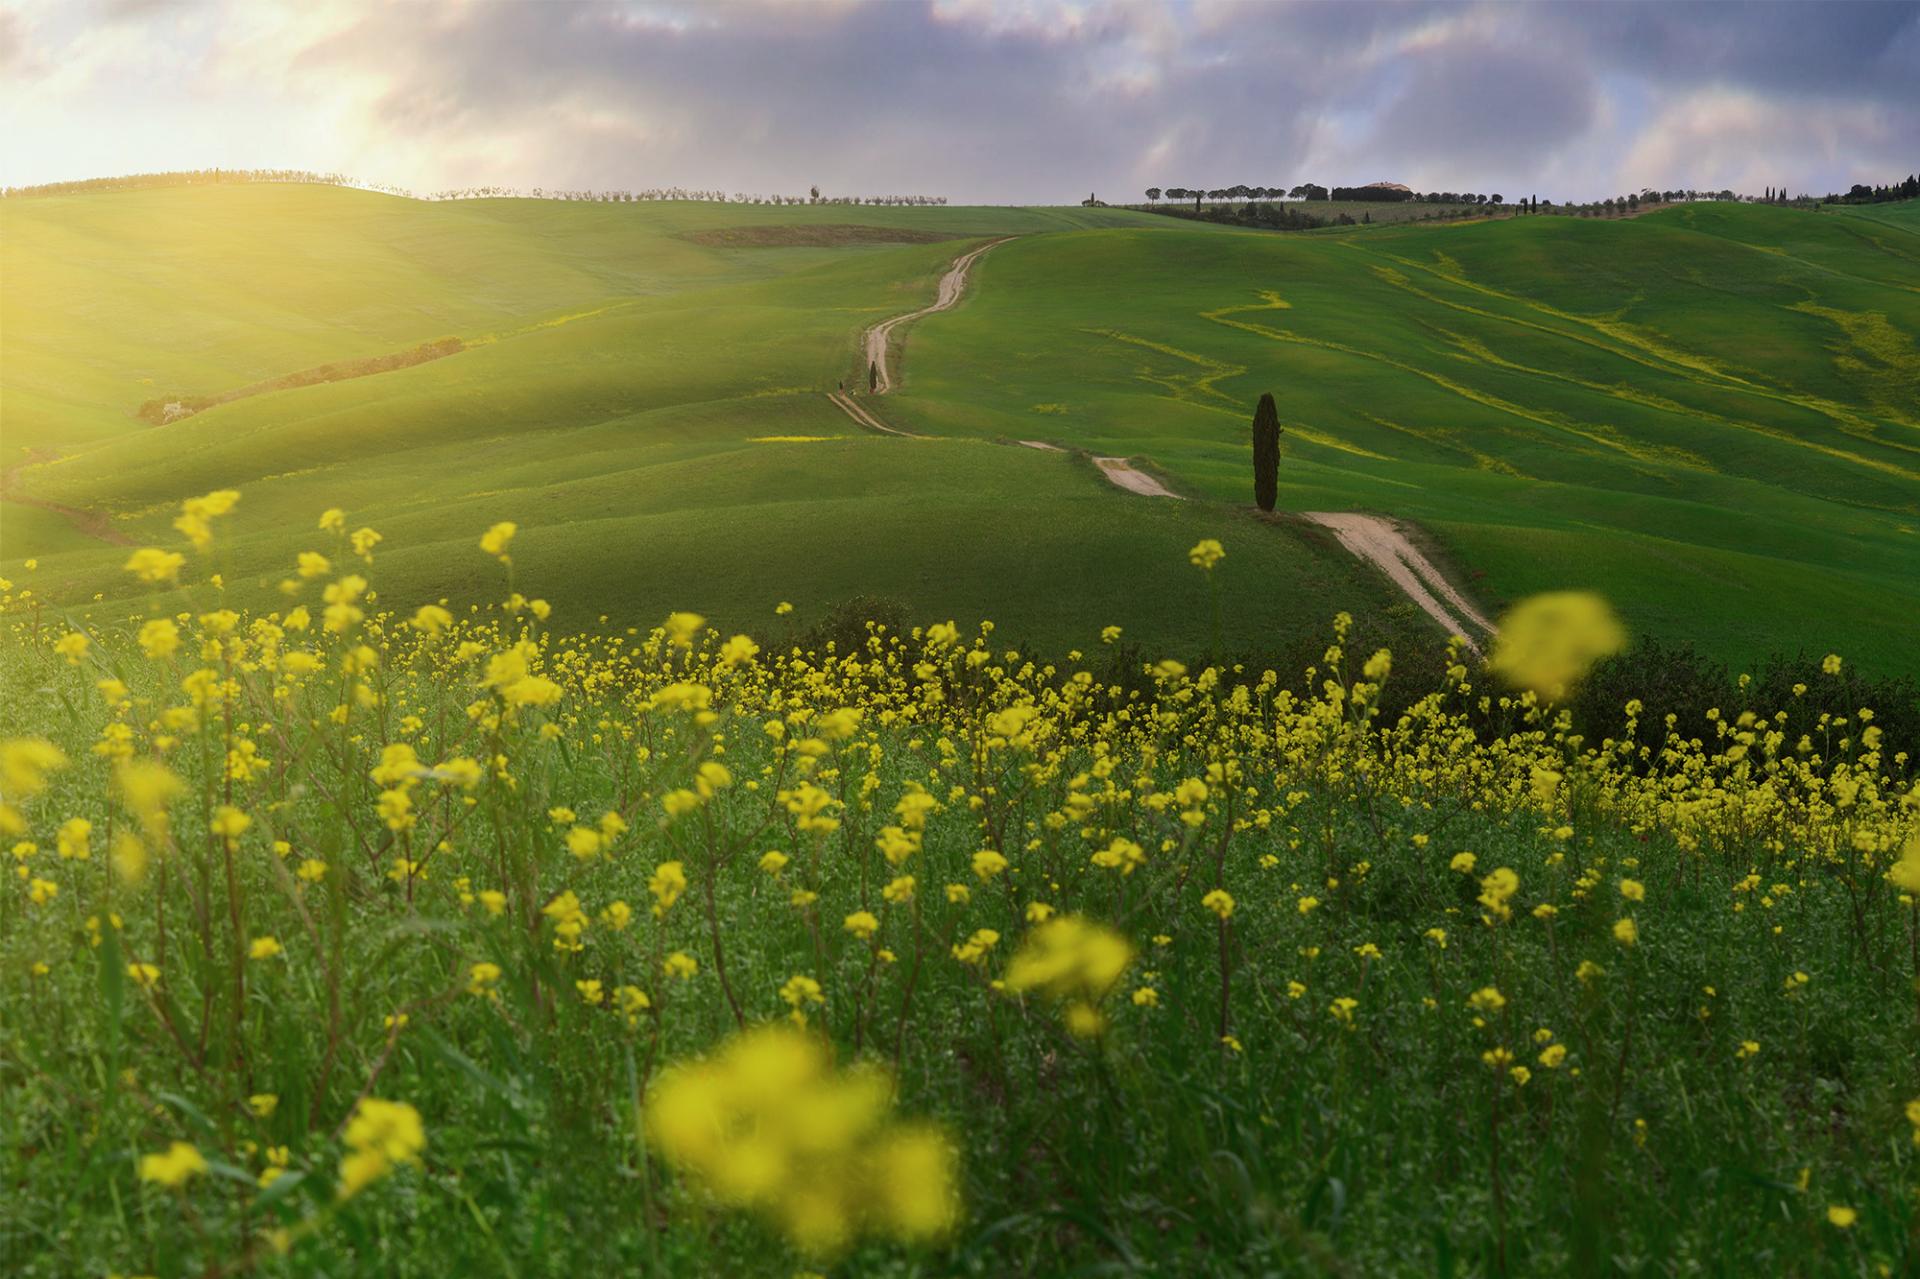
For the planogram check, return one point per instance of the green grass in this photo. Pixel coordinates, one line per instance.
(1702, 413)
(614, 400)
(1707, 413)
(1691, 1106)
(1711, 414)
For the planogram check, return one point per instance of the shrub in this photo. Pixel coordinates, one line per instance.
(1266, 452)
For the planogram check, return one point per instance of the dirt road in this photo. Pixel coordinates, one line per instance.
(1373, 538)
(1123, 475)
(1120, 472)
(846, 404)
(1380, 542)
(951, 285)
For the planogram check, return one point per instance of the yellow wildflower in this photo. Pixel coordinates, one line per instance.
(173, 1167)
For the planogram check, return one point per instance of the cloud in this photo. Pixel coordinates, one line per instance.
(1849, 47)
(979, 100)
(121, 10)
(1738, 139)
(1483, 115)
(13, 40)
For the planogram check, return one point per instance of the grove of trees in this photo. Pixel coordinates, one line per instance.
(1218, 195)
(1629, 202)
(1291, 208)
(1861, 193)
(185, 177)
(1314, 191)
(1254, 205)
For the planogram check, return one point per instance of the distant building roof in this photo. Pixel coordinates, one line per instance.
(1387, 186)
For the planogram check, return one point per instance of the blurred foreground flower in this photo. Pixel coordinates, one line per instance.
(1547, 642)
(380, 1135)
(174, 1166)
(1075, 962)
(25, 763)
(767, 1125)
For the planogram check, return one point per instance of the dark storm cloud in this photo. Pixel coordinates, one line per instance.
(1038, 101)
(886, 96)
(1017, 99)
(1838, 47)
(880, 97)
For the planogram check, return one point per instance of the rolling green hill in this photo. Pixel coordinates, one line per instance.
(1711, 414)
(641, 389)
(1707, 413)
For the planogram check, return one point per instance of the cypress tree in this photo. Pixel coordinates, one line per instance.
(873, 376)
(1266, 453)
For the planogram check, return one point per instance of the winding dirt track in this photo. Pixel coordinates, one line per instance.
(1118, 470)
(1123, 474)
(1373, 538)
(951, 285)
(1381, 543)
(846, 404)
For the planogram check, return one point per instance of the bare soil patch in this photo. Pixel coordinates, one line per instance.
(172, 408)
(1125, 475)
(829, 235)
(89, 523)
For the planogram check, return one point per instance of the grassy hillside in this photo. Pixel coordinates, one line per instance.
(642, 391)
(1712, 414)
(1707, 413)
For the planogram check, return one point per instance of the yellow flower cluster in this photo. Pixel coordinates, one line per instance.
(380, 1136)
(1075, 962)
(634, 821)
(766, 1124)
(1548, 641)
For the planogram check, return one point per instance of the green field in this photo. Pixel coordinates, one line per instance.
(540, 943)
(1707, 413)
(1711, 414)
(630, 373)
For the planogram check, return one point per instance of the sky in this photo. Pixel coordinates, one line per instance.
(980, 101)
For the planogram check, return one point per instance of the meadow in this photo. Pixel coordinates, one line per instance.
(400, 885)
(343, 940)
(1706, 413)
(640, 389)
